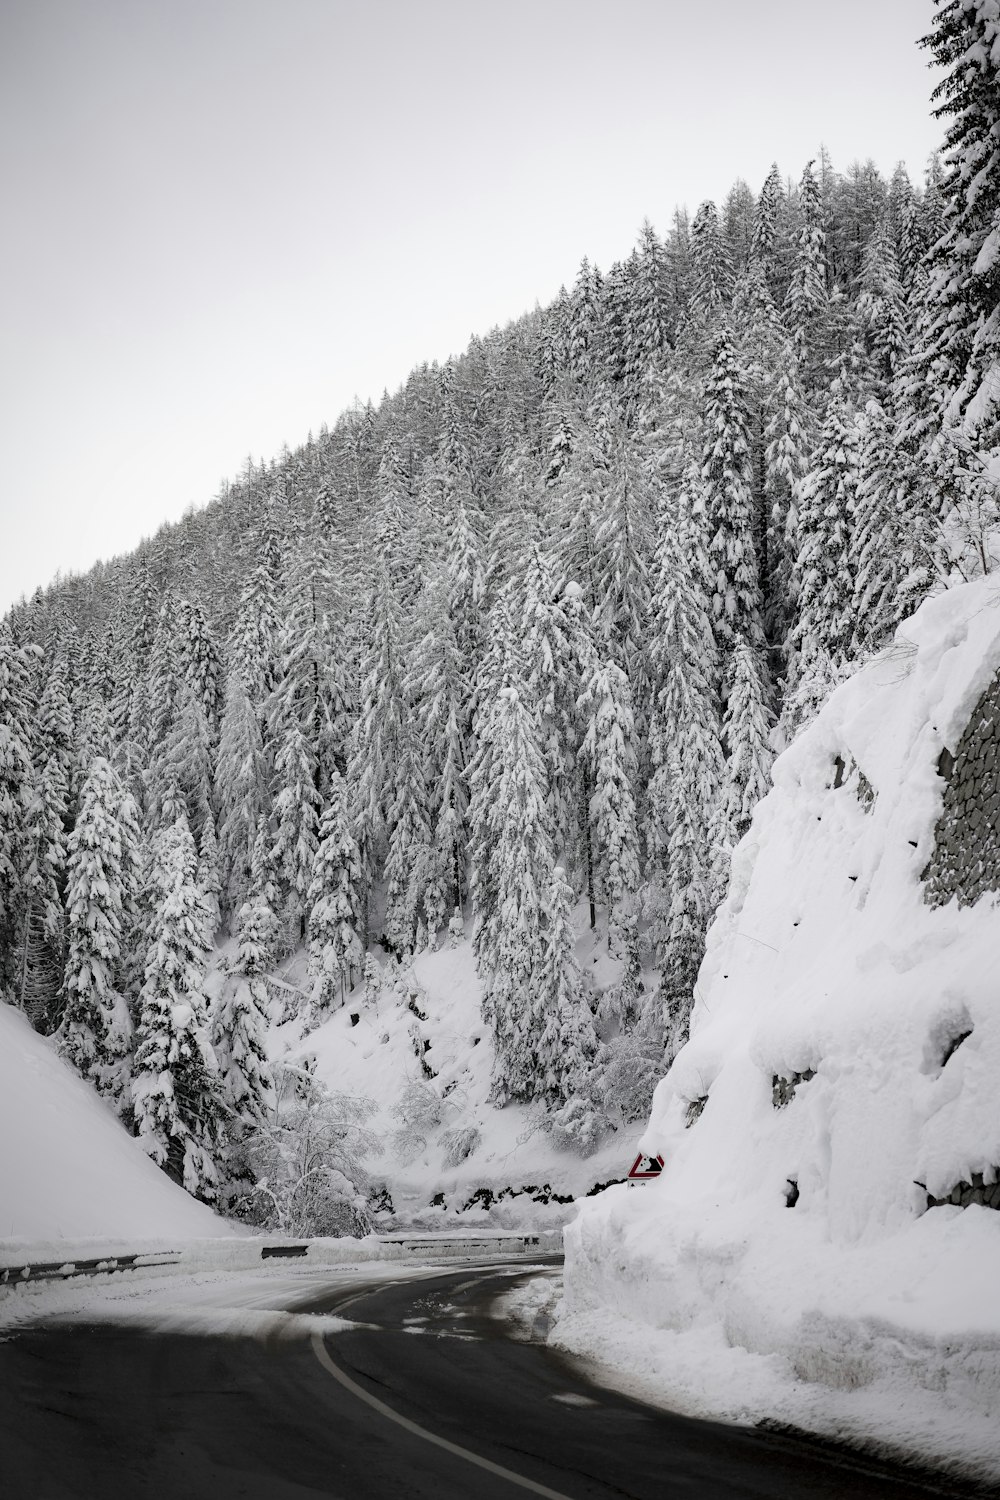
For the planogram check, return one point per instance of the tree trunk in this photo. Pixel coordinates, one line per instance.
(588, 844)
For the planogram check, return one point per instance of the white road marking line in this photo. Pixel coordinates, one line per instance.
(322, 1354)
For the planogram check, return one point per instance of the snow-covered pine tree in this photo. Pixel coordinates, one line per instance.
(683, 857)
(181, 766)
(897, 541)
(410, 853)
(623, 545)
(96, 1031)
(711, 268)
(199, 661)
(881, 309)
(823, 579)
(499, 667)
(239, 1022)
(175, 1088)
(579, 505)
(765, 220)
(512, 864)
(242, 792)
(562, 1022)
(334, 903)
(17, 701)
(807, 297)
(609, 750)
(439, 689)
(901, 211)
(585, 323)
(375, 743)
(556, 649)
(746, 729)
(962, 355)
(739, 212)
(736, 602)
(786, 450)
(560, 437)
(210, 879)
(759, 337)
(454, 451)
(296, 813)
(253, 647)
(466, 579)
(42, 937)
(647, 327)
(54, 735)
(142, 610)
(165, 675)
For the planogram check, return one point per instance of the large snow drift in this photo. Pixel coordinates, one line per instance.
(68, 1170)
(786, 1263)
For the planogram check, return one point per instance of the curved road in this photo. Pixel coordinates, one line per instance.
(425, 1397)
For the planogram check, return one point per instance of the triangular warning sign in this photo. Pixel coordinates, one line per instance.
(645, 1166)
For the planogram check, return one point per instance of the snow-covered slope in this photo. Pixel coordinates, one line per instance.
(68, 1170)
(422, 1053)
(843, 1070)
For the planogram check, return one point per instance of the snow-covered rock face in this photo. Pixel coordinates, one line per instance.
(845, 1043)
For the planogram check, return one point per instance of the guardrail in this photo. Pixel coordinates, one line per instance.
(95, 1266)
(241, 1254)
(443, 1246)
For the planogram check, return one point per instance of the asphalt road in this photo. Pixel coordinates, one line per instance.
(428, 1397)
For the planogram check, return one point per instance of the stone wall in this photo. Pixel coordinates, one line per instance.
(966, 858)
(985, 1193)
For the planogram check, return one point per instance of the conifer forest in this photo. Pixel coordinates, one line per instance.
(505, 656)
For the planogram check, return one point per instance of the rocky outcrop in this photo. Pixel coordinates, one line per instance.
(966, 858)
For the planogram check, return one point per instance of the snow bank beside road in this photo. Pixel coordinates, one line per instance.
(842, 1067)
(68, 1170)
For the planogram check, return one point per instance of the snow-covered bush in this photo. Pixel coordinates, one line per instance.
(306, 1161)
(419, 1109)
(459, 1143)
(578, 1125)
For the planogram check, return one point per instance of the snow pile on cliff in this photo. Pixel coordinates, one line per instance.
(842, 1068)
(68, 1170)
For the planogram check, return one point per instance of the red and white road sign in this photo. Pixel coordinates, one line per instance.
(644, 1167)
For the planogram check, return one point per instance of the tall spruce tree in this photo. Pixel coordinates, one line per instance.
(561, 1019)
(808, 294)
(175, 1087)
(239, 1022)
(42, 936)
(609, 750)
(745, 734)
(825, 567)
(963, 344)
(378, 731)
(512, 864)
(736, 601)
(242, 792)
(17, 699)
(334, 901)
(96, 1030)
(683, 834)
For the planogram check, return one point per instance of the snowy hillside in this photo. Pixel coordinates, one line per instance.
(795, 1260)
(68, 1170)
(419, 1050)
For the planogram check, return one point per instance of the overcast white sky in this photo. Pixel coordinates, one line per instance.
(226, 218)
